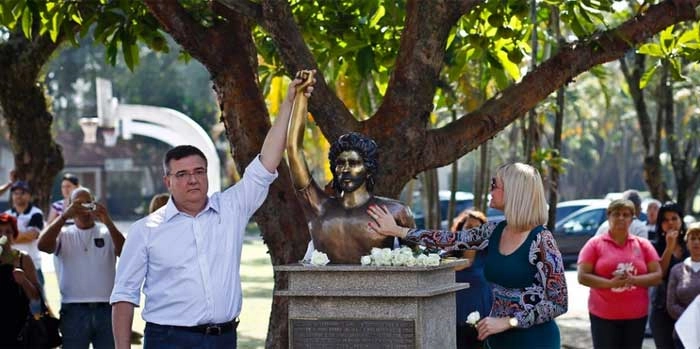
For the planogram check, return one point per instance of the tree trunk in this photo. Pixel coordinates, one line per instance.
(37, 157)
(651, 140)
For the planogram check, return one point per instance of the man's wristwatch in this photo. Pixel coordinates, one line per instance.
(513, 322)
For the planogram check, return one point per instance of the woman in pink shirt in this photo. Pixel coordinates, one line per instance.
(618, 267)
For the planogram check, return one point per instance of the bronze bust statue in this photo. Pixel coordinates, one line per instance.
(338, 223)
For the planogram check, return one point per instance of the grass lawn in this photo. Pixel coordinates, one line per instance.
(256, 277)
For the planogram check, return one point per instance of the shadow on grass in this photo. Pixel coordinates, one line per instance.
(263, 279)
(245, 342)
(257, 292)
(257, 262)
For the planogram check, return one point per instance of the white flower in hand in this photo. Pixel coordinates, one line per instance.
(319, 258)
(473, 318)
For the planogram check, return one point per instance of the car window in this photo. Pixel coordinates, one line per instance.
(583, 223)
(562, 212)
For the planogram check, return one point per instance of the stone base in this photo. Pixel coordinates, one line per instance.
(353, 306)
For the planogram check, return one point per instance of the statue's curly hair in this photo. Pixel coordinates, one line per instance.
(364, 146)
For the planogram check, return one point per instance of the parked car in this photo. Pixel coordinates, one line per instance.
(565, 208)
(463, 201)
(572, 232)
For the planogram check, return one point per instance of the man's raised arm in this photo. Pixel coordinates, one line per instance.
(271, 153)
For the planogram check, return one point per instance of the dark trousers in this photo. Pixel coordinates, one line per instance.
(466, 337)
(617, 334)
(85, 323)
(170, 337)
(662, 328)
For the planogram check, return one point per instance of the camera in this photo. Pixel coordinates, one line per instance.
(89, 205)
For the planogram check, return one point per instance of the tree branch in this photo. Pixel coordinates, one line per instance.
(411, 88)
(334, 118)
(472, 129)
(245, 8)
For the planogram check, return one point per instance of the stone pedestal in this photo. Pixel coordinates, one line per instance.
(354, 306)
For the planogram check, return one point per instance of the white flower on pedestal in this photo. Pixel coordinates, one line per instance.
(319, 258)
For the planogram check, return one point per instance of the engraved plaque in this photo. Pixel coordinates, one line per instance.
(352, 334)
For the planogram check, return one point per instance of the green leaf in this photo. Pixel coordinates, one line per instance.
(648, 75)
(381, 11)
(651, 49)
(509, 67)
(675, 68)
(365, 61)
(27, 22)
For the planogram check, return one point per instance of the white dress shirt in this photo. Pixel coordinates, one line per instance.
(191, 264)
(637, 228)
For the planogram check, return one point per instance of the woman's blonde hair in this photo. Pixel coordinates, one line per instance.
(523, 195)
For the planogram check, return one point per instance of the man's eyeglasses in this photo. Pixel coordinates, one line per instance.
(184, 175)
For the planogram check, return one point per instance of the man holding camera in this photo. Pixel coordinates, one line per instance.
(86, 254)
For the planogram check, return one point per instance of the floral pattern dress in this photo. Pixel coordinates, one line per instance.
(534, 292)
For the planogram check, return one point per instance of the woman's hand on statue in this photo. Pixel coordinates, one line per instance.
(383, 222)
(491, 325)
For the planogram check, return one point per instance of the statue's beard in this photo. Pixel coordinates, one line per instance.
(348, 183)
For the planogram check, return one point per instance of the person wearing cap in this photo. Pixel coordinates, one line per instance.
(69, 182)
(30, 221)
(86, 254)
(638, 227)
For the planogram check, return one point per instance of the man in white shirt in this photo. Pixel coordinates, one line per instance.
(637, 227)
(30, 221)
(187, 253)
(86, 254)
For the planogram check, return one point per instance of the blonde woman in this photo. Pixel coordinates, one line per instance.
(523, 264)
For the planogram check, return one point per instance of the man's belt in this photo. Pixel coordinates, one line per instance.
(208, 329)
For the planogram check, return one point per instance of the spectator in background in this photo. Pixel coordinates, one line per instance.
(670, 246)
(158, 201)
(18, 284)
(86, 255)
(684, 279)
(30, 221)
(478, 296)
(618, 267)
(652, 214)
(69, 183)
(637, 228)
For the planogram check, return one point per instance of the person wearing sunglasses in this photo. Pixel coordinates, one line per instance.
(523, 265)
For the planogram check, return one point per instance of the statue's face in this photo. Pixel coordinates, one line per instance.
(350, 171)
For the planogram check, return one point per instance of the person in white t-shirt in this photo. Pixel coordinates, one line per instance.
(86, 255)
(638, 227)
